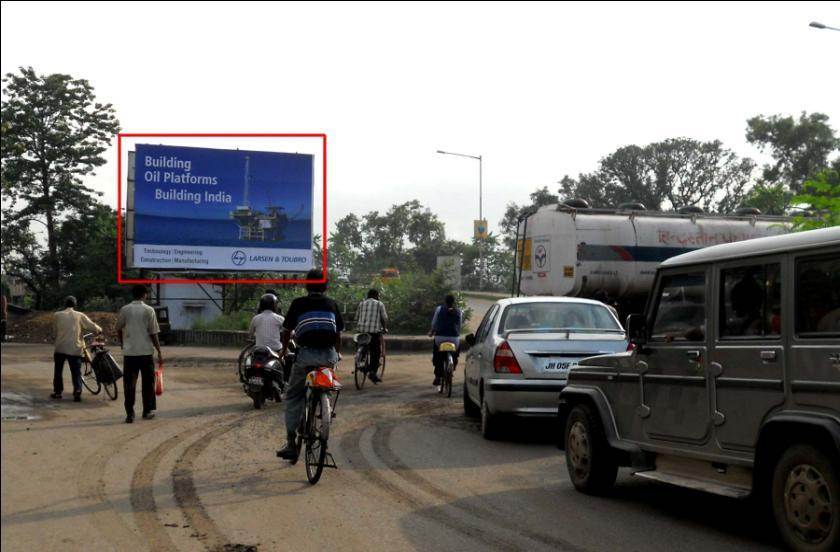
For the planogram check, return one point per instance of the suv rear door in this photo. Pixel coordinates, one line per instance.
(748, 359)
(814, 373)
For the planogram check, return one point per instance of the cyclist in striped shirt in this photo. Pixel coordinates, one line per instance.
(371, 318)
(317, 324)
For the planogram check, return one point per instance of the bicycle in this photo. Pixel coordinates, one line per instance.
(322, 391)
(362, 359)
(97, 367)
(449, 348)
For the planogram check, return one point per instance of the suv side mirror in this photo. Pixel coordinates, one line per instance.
(470, 339)
(637, 329)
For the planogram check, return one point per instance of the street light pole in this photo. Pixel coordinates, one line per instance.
(480, 206)
(818, 25)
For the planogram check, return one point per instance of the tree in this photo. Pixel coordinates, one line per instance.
(88, 253)
(513, 213)
(54, 133)
(820, 198)
(800, 149)
(408, 236)
(770, 199)
(666, 175)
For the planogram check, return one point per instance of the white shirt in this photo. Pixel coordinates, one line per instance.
(68, 325)
(267, 329)
(138, 322)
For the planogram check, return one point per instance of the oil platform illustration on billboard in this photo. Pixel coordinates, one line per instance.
(256, 225)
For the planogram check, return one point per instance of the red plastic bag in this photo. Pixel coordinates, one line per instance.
(159, 380)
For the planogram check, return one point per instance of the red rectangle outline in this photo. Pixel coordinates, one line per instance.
(121, 280)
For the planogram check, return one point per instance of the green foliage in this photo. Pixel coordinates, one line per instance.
(771, 199)
(666, 175)
(410, 302)
(412, 299)
(821, 197)
(103, 304)
(408, 237)
(54, 133)
(799, 148)
(234, 321)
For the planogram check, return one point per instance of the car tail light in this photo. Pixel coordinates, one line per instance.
(504, 361)
(631, 346)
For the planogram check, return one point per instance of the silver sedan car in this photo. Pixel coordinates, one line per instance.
(520, 356)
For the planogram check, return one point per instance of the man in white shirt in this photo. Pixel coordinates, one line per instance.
(266, 328)
(138, 330)
(68, 325)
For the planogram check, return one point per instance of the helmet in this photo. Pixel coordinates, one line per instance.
(268, 302)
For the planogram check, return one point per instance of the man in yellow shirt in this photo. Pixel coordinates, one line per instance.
(68, 325)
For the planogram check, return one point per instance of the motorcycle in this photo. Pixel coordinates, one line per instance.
(264, 374)
(261, 375)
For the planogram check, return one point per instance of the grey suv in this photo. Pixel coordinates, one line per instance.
(733, 386)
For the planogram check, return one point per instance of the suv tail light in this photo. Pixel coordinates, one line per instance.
(504, 361)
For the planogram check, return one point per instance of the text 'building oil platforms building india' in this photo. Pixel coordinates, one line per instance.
(193, 209)
(613, 254)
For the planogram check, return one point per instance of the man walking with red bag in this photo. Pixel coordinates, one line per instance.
(138, 330)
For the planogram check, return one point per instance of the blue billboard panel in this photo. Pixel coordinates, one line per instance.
(228, 210)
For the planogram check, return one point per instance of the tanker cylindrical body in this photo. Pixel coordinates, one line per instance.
(598, 253)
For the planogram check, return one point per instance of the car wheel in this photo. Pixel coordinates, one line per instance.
(489, 423)
(470, 408)
(806, 499)
(589, 460)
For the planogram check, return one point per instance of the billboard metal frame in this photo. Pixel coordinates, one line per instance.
(121, 280)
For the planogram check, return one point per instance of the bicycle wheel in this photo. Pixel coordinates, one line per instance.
(381, 372)
(89, 380)
(360, 372)
(316, 441)
(111, 390)
(447, 376)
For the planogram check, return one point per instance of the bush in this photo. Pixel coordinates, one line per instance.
(410, 302)
(238, 321)
(103, 304)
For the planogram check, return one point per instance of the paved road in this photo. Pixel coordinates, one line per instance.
(414, 474)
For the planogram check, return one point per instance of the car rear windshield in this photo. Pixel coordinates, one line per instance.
(546, 317)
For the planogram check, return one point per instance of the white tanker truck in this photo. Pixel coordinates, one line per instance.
(612, 255)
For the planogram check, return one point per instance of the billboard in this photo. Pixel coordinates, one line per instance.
(223, 210)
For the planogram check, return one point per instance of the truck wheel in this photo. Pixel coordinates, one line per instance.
(591, 464)
(806, 499)
(470, 408)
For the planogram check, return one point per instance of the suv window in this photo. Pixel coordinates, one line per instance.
(750, 301)
(680, 308)
(818, 296)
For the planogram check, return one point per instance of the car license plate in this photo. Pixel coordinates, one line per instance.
(255, 381)
(557, 365)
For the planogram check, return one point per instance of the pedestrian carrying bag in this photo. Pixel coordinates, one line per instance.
(159, 380)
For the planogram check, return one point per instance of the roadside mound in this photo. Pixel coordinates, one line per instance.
(37, 327)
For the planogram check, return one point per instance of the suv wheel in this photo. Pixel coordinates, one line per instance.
(806, 499)
(592, 467)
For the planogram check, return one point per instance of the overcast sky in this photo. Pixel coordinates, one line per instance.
(539, 90)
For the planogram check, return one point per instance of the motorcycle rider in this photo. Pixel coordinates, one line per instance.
(317, 324)
(446, 326)
(266, 328)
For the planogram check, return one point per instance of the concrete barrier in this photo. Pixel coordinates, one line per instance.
(229, 338)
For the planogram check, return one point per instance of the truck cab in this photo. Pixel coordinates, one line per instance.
(732, 386)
